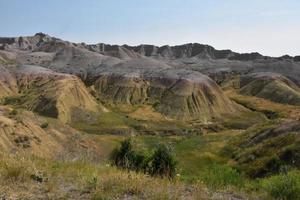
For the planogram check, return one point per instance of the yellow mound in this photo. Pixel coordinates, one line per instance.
(23, 131)
(56, 95)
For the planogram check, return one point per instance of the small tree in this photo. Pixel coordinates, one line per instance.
(162, 162)
(121, 157)
(125, 157)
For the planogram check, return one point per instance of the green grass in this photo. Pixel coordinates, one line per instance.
(194, 153)
(270, 114)
(201, 158)
(109, 122)
(24, 176)
(285, 186)
(245, 120)
(263, 149)
(200, 165)
(218, 177)
(121, 123)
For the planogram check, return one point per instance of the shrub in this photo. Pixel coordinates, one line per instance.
(44, 125)
(222, 176)
(124, 157)
(13, 112)
(156, 104)
(285, 186)
(162, 162)
(10, 100)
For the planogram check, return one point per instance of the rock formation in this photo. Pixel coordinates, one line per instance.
(174, 79)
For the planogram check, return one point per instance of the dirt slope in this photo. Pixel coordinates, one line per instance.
(274, 87)
(266, 149)
(24, 131)
(53, 94)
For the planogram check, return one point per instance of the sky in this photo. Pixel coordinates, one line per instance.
(271, 27)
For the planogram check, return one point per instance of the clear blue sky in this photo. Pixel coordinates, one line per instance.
(270, 27)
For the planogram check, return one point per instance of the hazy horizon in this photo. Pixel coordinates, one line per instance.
(269, 27)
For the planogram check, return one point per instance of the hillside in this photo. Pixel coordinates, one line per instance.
(138, 80)
(52, 94)
(271, 86)
(231, 120)
(25, 132)
(263, 150)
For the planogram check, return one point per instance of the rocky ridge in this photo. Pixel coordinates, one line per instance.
(132, 79)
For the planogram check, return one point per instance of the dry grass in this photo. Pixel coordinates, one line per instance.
(14, 170)
(147, 112)
(260, 104)
(34, 178)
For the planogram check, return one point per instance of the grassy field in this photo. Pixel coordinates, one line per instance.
(28, 177)
(194, 153)
(128, 120)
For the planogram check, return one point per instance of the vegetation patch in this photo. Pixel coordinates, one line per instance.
(284, 186)
(271, 109)
(265, 149)
(160, 163)
(44, 125)
(223, 177)
(29, 177)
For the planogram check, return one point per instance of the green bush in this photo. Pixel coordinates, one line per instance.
(221, 177)
(124, 157)
(10, 100)
(285, 186)
(162, 162)
(44, 125)
(13, 112)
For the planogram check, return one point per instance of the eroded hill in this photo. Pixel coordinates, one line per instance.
(182, 94)
(22, 131)
(202, 101)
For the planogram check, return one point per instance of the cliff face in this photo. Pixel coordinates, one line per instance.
(174, 52)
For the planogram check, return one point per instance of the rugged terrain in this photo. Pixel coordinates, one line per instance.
(68, 101)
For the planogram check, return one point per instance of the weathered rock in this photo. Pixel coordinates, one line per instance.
(167, 76)
(177, 94)
(23, 133)
(55, 95)
(274, 87)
